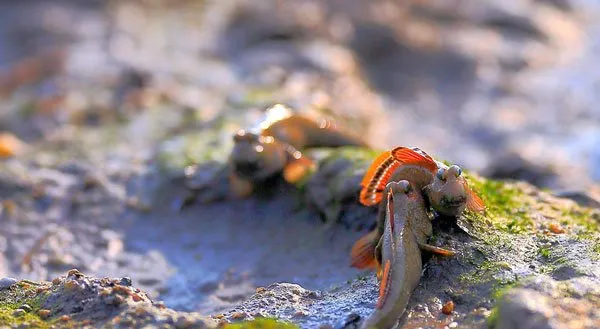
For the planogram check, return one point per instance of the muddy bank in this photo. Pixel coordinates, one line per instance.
(527, 238)
(113, 100)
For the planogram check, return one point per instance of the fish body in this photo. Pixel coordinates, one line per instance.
(276, 148)
(444, 189)
(407, 227)
(303, 132)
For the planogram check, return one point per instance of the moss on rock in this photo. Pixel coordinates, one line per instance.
(265, 323)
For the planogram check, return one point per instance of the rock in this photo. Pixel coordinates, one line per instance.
(524, 309)
(7, 282)
(126, 281)
(548, 304)
(89, 304)
(581, 197)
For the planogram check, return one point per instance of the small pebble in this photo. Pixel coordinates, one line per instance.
(119, 289)
(7, 282)
(65, 318)
(74, 272)
(71, 285)
(136, 297)
(453, 325)
(238, 315)
(126, 281)
(44, 314)
(448, 308)
(260, 290)
(556, 228)
(56, 281)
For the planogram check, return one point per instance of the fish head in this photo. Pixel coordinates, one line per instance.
(448, 193)
(256, 157)
(404, 203)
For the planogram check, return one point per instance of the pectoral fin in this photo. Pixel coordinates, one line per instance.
(474, 202)
(240, 187)
(298, 169)
(436, 250)
(363, 251)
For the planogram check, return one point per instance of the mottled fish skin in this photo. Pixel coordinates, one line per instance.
(302, 132)
(407, 227)
(279, 142)
(444, 188)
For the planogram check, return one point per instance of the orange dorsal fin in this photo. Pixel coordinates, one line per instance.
(376, 178)
(383, 167)
(474, 202)
(384, 285)
(363, 251)
(414, 156)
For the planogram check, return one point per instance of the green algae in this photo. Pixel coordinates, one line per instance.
(193, 148)
(510, 209)
(359, 157)
(266, 323)
(24, 292)
(506, 207)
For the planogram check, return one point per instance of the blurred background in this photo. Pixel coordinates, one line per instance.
(94, 93)
(506, 88)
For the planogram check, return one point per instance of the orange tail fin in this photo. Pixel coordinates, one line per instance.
(383, 167)
(474, 202)
(363, 251)
(384, 285)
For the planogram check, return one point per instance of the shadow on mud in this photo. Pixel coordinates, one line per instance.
(219, 253)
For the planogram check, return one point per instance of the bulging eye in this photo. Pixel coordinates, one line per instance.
(454, 170)
(404, 186)
(440, 174)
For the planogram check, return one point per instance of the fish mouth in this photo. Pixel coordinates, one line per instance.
(454, 203)
(452, 206)
(247, 169)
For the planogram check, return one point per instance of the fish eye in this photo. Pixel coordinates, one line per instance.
(455, 170)
(440, 174)
(405, 186)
